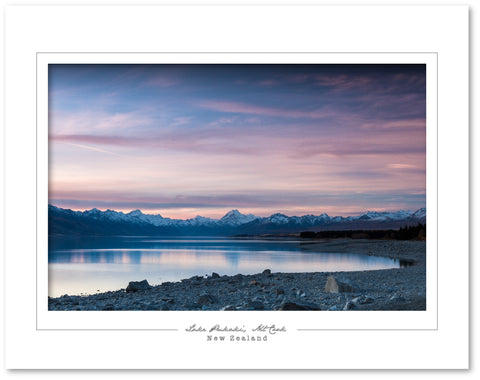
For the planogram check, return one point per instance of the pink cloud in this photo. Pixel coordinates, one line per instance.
(161, 81)
(296, 78)
(94, 139)
(409, 79)
(78, 122)
(344, 138)
(269, 82)
(401, 166)
(206, 141)
(343, 82)
(339, 82)
(406, 124)
(235, 107)
(91, 148)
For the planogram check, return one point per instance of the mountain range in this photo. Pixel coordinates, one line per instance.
(95, 222)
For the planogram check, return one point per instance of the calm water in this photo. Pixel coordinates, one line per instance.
(89, 265)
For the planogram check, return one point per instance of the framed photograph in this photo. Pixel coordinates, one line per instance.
(189, 190)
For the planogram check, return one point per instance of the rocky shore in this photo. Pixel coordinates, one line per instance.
(391, 289)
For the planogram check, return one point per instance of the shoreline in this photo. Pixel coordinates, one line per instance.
(388, 289)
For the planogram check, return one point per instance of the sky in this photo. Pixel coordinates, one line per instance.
(187, 140)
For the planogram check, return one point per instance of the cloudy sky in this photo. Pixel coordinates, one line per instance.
(187, 140)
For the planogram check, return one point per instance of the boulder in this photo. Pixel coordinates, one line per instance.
(206, 299)
(368, 300)
(298, 306)
(135, 286)
(335, 286)
(361, 300)
(255, 305)
(215, 275)
(300, 293)
(397, 298)
(267, 271)
(357, 300)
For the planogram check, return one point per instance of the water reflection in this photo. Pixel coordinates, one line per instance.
(85, 266)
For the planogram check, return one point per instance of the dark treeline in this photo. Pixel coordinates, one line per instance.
(418, 232)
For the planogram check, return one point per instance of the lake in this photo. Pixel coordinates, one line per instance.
(90, 265)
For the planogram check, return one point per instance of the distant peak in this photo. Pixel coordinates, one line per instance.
(232, 213)
(279, 214)
(135, 213)
(235, 217)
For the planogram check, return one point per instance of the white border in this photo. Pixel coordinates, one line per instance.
(221, 29)
(179, 319)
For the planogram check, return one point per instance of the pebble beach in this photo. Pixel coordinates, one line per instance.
(402, 288)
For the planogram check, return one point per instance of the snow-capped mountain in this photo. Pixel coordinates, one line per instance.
(110, 222)
(383, 216)
(235, 218)
(420, 213)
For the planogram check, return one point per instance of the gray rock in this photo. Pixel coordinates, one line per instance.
(279, 291)
(228, 308)
(267, 271)
(397, 298)
(298, 306)
(335, 286)
(206, 299)
(357, 300)
(349, 306)
(256, 305)
(135, 286)
(215, 275)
